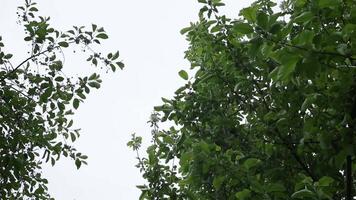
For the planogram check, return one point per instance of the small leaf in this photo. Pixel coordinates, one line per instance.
(183, 74)
(115, 56)
(325, 181)
(249, 13)
(78, 163)
(303, 194)
(141, 187)
(121, 65)
(328, 3)
(8, 56)
(185, 30)
(94, 26)
(72, 137)
(63, 44)
(92, 77)
(244, 194)
(217, 182)
(113, 68)
(95, 61)
(81, 95)
(262, 20)
(304, 38)
(76, 103)
(28, 38)
(251, 162)
(288, 64)
(305, 17)
(275, 187)
(243, 28)
(94, 85)
(102, 36)
(59, 79)
(70, 124)
(33, 9)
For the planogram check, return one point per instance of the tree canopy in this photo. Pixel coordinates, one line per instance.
(269, 112)
(37, 101)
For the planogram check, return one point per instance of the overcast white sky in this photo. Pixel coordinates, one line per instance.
(147, 35)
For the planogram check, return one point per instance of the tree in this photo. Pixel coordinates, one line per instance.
(270, 111)
(37, 101)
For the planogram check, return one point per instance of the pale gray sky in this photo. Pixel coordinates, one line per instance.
(147, 35)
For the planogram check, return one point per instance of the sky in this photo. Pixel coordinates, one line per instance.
(147, 35)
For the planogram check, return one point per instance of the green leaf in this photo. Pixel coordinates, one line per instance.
(63, 44)
(94, 85)
(121, 65)
(113, 68)
(94, 61)
(275, 187)
(76, 103)
(59, 79)
(141, 187)
(81, 95)
(243, 28)
(45, 96)
(262, 20)
(28, 38)
(70, 124)
(78, 163)
(92, 77)
(8, 56)
(249, 13)
(217, 182)
(185, 30)
(60, 106)
(116, 55)
(328, 3)
(288, 64)
(304, 18)
(303, 194)
(251, 162)
(325, 181)
(304, 38)
(183, 74)
(244, 194)
(300, 3)
(33, 9)
(94, 26)
(102, 36)
(72, 137)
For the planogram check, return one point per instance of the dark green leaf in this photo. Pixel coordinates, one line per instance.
(183, 74)
(244, 194)
(102, 36)
(243, 28)
(63, 44)
(76, 103)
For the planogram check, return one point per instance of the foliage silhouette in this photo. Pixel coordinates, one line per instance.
(270, 111)
(37, 101)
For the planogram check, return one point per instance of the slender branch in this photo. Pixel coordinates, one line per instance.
(30, 58)
(296, 156)
(27, 59)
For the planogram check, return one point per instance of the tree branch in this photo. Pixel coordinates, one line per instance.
(27, 59)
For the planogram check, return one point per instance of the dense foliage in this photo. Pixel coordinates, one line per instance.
(270, 112)
(37, 101)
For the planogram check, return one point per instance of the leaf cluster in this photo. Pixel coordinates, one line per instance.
(270, 111)
(38, 100)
